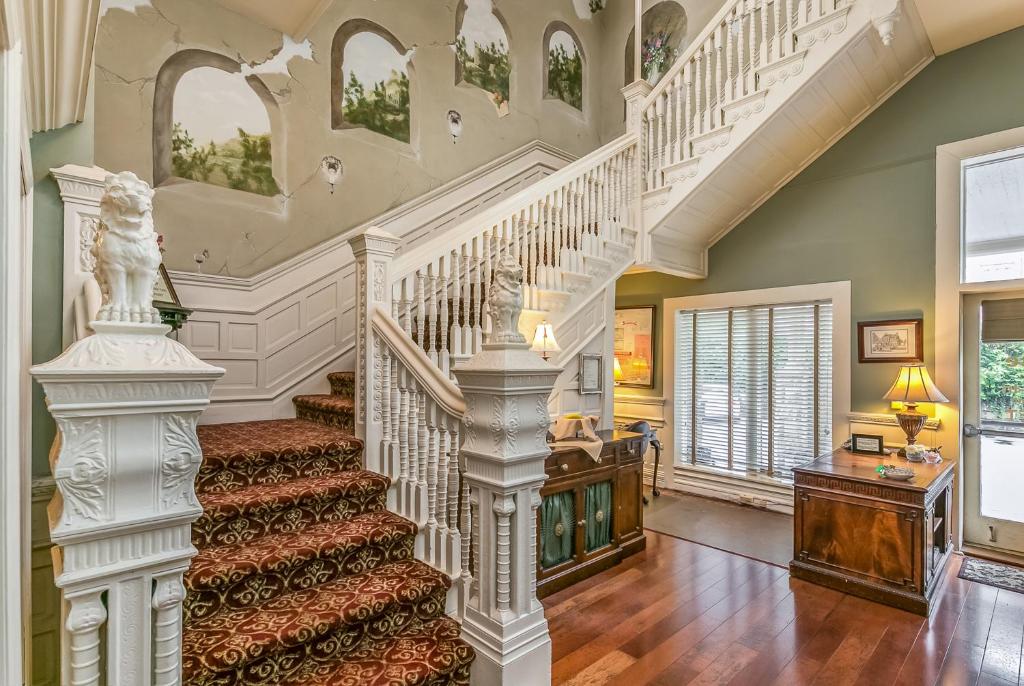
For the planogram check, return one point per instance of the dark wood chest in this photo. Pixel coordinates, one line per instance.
(591, 514)
(880, 539)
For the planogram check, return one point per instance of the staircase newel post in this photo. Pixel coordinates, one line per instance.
(503, 447)
(636, 95)
(374, 250)
(126, 401)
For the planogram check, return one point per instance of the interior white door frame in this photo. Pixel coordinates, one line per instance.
(15, 349)
(950, 289)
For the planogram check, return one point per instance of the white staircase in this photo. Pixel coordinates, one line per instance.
(769, 86)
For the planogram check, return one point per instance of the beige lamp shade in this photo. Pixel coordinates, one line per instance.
(914, 385)
(617, 369)
(544, 340)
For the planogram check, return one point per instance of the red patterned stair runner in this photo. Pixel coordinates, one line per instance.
(303, 577)
(336, 409)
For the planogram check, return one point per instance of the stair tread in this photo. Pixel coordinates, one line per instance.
(341, 484)
(233, 637)
(224, 444)
(222, 565)
(424, 655)
(326, 401)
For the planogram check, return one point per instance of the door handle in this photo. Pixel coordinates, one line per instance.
(972, 431)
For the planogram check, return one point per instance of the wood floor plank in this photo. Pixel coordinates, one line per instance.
(685, 614)
(967, 649)
(1003, 647)
(619, 633)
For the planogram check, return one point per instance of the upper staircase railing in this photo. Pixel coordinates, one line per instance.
(721, 77)
(554, 228)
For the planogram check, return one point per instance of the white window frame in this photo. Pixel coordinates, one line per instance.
(762, 491)
(950, 289)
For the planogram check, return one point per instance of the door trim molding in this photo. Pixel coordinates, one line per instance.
(949, 290)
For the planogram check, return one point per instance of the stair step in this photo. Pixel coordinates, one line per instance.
(269, 641)
(343, 384)
(330, 410)
(271, 451)
(427, 654)
(246, 513)
(237, 575)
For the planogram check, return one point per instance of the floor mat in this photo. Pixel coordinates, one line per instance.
(747, 531)
(993, 574)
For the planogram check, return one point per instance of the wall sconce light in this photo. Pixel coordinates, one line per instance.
(544, 340)
(454, 125)
(332, 170)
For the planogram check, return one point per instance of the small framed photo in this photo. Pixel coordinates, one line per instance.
(896, 340)
(591, 373)
(867, 444)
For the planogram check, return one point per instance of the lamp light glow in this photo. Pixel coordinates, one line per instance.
(616, 369)
(544, 340)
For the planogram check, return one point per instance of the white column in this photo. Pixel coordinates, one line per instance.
(373, 250)
(126, 401)
(504, 444)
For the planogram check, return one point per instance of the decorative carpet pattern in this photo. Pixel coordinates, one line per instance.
(302, 575)
(992, 574)
(337, 409)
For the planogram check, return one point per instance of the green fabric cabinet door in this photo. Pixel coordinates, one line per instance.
(557, 528)
(598, 507)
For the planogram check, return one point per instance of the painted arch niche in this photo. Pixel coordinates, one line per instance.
(563, 65)
(214, 125)
(482, 51)
(370, 81)
(664, 28)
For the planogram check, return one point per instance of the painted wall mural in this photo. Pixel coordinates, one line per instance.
(221, 132)
(482, 53)
(565, 69)
(376, 78)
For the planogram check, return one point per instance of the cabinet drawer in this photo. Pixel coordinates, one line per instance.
(575, 462)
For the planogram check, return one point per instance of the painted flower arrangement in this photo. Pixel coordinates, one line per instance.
(656, 54)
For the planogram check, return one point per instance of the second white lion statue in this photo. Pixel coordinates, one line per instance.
(126, 251)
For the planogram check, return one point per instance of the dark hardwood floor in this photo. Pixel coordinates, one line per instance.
(681, 613)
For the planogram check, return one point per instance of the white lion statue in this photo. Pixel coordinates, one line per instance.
(126, 251)
(505, 301)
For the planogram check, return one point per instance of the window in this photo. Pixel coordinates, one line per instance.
(992, 188)
(753, 387)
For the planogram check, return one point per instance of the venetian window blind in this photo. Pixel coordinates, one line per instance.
(753, 387)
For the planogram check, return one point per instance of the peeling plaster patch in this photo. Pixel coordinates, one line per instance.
(278, 64)
(126, 5)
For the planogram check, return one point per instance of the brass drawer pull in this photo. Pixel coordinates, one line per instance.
(564, 467)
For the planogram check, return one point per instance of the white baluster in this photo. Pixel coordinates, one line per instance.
(708, 85)
(764, 33)
(741, 47)
(477, 333)
(431, 300)
(421, 308)
(86, 615)
(443, 353)
(168, 596)
(730, 89)
(777, 32)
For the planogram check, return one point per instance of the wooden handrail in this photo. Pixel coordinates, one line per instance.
(432, 380)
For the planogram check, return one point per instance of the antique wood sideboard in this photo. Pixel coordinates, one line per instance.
(591, 514)
(876, 538)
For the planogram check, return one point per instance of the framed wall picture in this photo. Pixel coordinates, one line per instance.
(163, 290)
(634, 346)
(895, 340)
(591, 373)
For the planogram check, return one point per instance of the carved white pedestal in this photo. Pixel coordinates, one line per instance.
(126, 401)
(504, 444)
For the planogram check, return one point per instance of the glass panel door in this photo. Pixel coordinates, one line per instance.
(993, 417)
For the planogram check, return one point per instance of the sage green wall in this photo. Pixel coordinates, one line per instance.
(865, 210)
(70, 145)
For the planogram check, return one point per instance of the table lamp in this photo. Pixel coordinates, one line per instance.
(544, 340)
(913, 386)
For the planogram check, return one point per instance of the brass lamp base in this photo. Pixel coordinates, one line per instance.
(911, 421)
